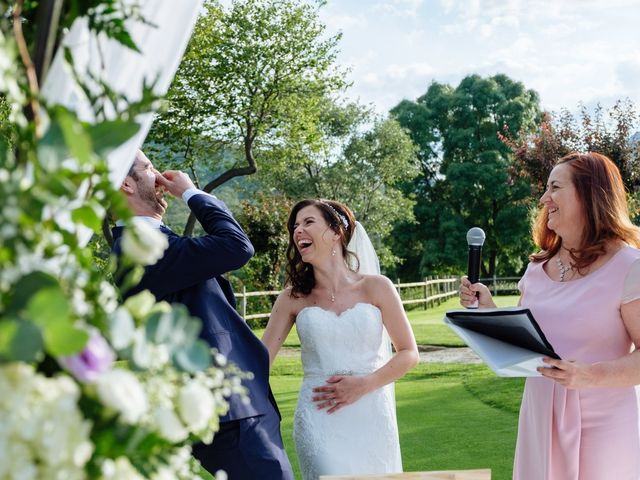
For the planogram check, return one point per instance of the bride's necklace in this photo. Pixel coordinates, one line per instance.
(562, 268)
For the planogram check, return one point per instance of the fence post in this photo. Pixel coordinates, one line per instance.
(426, 293)
(244, 301)
(495, 285)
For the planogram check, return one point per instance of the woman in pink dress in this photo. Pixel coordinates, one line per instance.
(580, 419)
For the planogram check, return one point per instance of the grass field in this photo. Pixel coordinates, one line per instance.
(450, 416)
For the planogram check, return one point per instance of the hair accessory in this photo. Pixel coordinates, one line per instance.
(342, 218)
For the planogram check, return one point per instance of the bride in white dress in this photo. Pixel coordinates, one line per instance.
(345, 420)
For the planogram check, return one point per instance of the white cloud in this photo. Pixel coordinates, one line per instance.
(568, 51)
(400, 8)
(343, 21)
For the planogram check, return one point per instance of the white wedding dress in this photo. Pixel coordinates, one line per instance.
(359, 438)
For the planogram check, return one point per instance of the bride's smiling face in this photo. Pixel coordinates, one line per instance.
(312, 235)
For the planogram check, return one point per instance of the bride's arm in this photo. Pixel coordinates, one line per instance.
(397, 324)
(344, 390)
(279, 325)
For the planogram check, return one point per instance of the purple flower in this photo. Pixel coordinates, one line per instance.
(96, 358)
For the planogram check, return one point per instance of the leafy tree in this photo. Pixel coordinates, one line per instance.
(466, 177)
(251, 79)
(609, 132)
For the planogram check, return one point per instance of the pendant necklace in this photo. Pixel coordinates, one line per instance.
(562, 268)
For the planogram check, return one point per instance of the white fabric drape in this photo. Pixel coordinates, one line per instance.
(162, 43)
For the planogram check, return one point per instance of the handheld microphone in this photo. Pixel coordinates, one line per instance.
(475, 240)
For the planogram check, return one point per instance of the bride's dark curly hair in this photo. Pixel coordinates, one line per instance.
(341, 220)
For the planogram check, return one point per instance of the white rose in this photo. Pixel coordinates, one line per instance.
(169, 425)
(221, 475)
(163, 473)
(140, 305)
(120, 469)
(196, 405)
(121, 390)
(142, 243)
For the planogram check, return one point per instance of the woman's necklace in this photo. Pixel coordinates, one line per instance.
(563, 268)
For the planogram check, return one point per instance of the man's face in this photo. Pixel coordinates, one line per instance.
(148, 189)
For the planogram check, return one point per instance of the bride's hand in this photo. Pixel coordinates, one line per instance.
(340, 391)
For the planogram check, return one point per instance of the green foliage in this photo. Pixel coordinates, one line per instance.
(466, 176)
(249, 81)
(264, 219)
(609, 132)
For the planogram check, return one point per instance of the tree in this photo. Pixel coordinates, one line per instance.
(465, 178)
(264, 219)
(607, 132)
(251, 77)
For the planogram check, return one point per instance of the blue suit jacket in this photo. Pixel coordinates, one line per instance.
(190, 272)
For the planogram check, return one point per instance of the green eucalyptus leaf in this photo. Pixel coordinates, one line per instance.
(193, 358)
(107, 136)
(20, 341)
(63, 339)
(121, 329)
(61, 186)
(160, 328)
(28, 286)
(52, 149)
(88, 216)
(49, 306)
(75, 136)
(8, 329)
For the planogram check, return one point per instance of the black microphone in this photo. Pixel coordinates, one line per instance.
(475, 240)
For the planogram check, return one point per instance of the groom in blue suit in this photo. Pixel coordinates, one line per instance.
(249, 444)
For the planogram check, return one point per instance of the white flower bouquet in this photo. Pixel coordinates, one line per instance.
(90, 387)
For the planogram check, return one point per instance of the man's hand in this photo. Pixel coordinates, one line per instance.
(174, 182)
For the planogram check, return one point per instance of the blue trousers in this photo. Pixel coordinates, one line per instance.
(247, 449)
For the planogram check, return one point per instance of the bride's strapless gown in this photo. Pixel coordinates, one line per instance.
(359, 438)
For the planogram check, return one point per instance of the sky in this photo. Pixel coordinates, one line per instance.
(569, 51)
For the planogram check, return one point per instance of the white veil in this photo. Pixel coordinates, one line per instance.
(362, 247)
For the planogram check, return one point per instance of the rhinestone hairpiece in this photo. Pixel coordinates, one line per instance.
(342, 218)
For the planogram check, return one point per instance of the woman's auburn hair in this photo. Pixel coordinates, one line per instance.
(603, 199)
(300, 275)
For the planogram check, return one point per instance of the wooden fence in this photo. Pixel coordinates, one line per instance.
(430, 292)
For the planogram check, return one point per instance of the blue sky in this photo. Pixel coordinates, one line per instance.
(567, 50)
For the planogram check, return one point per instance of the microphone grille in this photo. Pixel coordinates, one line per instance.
(476, 236)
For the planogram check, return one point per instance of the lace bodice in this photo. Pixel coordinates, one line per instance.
(347, 343)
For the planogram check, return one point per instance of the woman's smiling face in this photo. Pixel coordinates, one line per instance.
(312, 235)
(561, 200)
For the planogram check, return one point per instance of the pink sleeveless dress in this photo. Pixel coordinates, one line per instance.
(591, 433)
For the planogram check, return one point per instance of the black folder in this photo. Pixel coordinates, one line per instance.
(509, 340)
